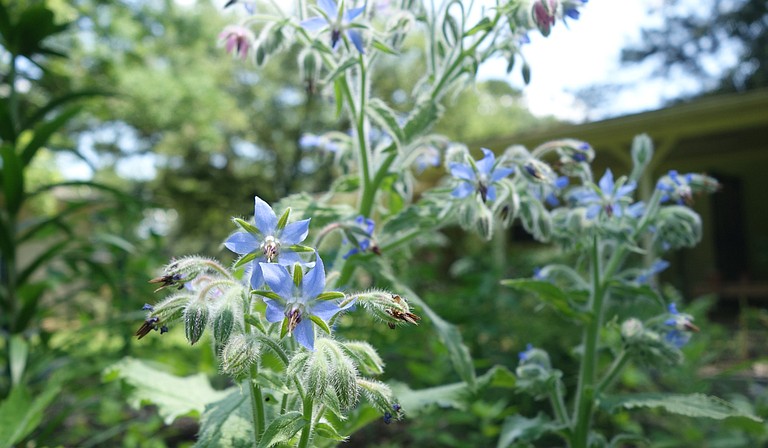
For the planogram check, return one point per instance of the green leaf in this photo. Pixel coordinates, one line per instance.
(282, 429)
(421, 119)
(694, 405)
(482, 25)
(13, 178)
(549, 294)
(517, 428)
(327, 431)
(634, 291)
(41, 259)
(34, 25)
(498, 376)
(59, 101)
(227, 423)
(448, 334)
(174, 396)
(44, 132)
(20, 414)
(526, 73)
(385, 117)
(18, 351)
(416, 402)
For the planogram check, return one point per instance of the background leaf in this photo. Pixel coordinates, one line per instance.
(174, 396)
(694, 405)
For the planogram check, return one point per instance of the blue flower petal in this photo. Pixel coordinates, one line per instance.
(314, 280)
(314, 24)
(352, 13)
(264, 217)
(463, 190)
(242, 243)
(501, 173)
(490, 194)
(325, 310)
(294, 232)
(278, 279)
(305, 333)
(626, 189)
(357, 40)
(289, 258)
(606, 182)
(593, 210)
(257, 275)
(485, 165)
(462, 171)
(329, 7)
(275, 311)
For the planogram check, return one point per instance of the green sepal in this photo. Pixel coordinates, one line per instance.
(320, 323)
(298, 274)
(383, 47)
(483, 25)
(247, 258)
(284, 328)
(255, 322)
(281, 223)
(325, 430)
(331, 295)
(268, 294)
(245, 225)
(298, 248)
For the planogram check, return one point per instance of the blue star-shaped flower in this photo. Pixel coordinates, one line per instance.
(338, 21)
(657, 267)
(298, 303)
(682, 326)
(478, 177)
(270, 244)
(676, 187)
(609, 197)
(365, 227)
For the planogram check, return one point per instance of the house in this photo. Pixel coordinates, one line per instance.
(724, 136)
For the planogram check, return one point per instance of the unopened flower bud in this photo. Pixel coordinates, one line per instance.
(239, 354)
(632, 329)
(195, 320)
(223, 322)
(642, 150)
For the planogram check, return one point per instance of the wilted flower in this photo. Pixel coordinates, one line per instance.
(238, 40)
(609, 197)
(478, 176)
(299, 303)
(271, 244)
(543, 13)
(338, 21)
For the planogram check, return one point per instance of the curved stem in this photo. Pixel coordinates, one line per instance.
(558, 403)
(618, 365)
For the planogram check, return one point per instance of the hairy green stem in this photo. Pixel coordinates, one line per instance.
(307, 430)
(586, 390)
(257, 400)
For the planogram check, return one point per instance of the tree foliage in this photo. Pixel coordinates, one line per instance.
(702, 38)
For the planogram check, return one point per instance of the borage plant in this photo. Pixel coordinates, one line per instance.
(272, 315)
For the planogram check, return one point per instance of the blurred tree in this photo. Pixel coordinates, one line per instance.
(722, 43)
